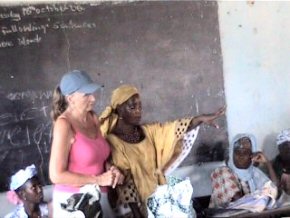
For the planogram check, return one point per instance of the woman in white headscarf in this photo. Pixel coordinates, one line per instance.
(240, 176)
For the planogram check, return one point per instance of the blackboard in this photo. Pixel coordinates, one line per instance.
(169, 49)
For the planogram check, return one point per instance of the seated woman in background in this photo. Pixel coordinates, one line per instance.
(28, 189)
(143, 152)
(240, 176)
(281, 165)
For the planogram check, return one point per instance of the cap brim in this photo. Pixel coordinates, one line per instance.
(90, 88)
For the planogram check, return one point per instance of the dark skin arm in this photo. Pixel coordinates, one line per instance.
(207, 119)
(260, 158)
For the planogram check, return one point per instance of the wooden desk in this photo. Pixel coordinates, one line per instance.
(274, 213)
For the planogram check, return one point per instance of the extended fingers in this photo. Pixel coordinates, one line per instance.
(220, 111)
(121, 179)
(117, 176)
(110, 178)
(114, 181)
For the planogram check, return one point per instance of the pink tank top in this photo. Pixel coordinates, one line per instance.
(87, 156)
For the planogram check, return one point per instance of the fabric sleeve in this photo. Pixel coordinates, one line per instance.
(168, 141)
(120, 160)
(260, 178)
(126, 193)
(10, 215)
(225, 185)
(122, 195)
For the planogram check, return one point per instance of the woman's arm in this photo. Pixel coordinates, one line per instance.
(118, 176)
(260, 158)
(206, 119)
(58, 165)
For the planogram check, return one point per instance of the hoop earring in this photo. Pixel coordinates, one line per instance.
(120, 118)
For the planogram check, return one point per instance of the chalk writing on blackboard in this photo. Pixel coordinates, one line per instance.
(10, 15)
(25, 126)
(30, 24)
(46, 9)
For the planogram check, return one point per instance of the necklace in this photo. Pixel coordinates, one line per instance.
(134, 137)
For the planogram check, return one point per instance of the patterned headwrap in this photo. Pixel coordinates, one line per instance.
(108, 117)
(284, 136)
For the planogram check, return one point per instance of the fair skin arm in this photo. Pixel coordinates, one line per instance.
(119, 177)
(58, 167)
(260, 158)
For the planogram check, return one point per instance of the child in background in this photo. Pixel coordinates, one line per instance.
(28, 195)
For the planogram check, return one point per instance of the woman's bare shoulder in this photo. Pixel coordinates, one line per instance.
(62, 125)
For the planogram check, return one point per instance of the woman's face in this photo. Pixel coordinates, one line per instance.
(82, 102)
(243, 154)
(284, 151)
(32, 191)
(131, 110)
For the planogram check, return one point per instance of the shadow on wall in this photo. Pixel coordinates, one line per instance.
(209, 153)
(269, 146)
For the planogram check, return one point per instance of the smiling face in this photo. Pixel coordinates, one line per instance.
(31, 191)
(131, 110)
(242, 155)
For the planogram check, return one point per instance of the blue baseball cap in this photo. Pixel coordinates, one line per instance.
(77, 81)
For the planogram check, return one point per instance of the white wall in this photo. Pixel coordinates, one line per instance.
(255, 39)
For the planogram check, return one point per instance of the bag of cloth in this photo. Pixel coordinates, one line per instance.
(85, 204)
(172, 200)
(259, 200)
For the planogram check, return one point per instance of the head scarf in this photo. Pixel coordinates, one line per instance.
(19, 178)
(243, 174)
(284, 136)
(109, 117)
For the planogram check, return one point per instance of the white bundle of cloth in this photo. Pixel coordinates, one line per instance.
(172, 200)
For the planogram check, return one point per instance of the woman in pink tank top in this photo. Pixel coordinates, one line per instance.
(79, 153)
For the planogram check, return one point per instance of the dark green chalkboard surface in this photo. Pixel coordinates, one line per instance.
(169, 49)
